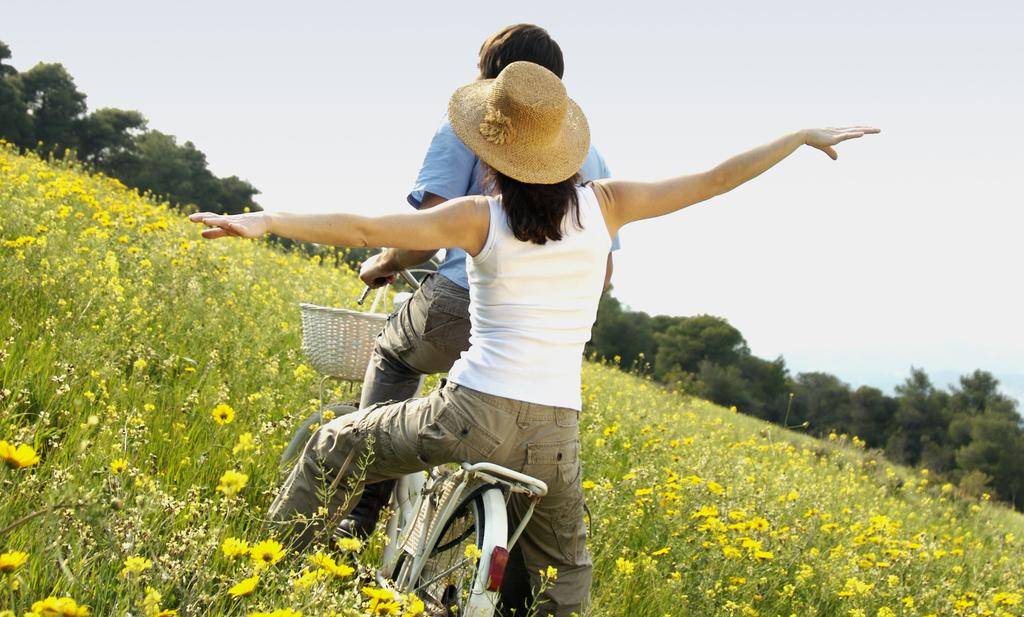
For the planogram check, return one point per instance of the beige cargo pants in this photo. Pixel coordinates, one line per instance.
(456, 424)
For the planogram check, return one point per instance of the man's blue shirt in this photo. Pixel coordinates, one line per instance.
(451, 170)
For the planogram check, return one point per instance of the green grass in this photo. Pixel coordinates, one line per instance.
(121, 330)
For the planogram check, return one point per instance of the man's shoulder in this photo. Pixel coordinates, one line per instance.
(594, 166)
(447, 146)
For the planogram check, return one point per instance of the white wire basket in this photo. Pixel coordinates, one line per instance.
(338, 342)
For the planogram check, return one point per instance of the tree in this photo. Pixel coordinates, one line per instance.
(871, 415)
(689, 340)
(979, 393)
(769, 386)
(107, 137)
(54, 104)
(5, 54)
(725, 386)
(43, 106)
(996, 449)
(15, 123)
(822, 400)
(179, 174)
(919, 418)
(235, 195)
(622, 333)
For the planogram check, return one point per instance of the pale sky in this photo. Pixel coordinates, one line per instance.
(904, 252)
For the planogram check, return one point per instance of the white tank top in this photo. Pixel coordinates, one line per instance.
(532, 307)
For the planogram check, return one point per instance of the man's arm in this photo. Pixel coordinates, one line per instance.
(384, 266)
(633, 201)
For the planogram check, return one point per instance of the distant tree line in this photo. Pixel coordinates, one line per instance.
(42, 110)
(971, 435)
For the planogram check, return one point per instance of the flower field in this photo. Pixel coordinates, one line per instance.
(149, 381)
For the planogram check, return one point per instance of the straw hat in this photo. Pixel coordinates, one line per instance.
(522, 124)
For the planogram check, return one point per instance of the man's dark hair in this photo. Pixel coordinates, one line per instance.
(521, 42)
(537, 212)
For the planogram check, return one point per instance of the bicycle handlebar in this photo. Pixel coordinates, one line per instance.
(406, 276)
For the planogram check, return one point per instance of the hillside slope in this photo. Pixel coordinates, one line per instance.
(123, 336)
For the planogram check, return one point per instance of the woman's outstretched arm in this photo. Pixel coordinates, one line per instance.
(631, 201)
(460, 223)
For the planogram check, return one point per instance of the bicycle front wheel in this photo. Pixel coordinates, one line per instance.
(463, 568)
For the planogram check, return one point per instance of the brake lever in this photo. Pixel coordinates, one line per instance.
(380, 281)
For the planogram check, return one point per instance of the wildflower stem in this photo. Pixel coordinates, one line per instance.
(28, 517)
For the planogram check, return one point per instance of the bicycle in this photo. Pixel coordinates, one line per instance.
(448, 537)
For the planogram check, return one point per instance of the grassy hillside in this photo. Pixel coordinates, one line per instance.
(122, 332)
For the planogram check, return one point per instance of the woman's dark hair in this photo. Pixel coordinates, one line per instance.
(521, 42)
(537, 212)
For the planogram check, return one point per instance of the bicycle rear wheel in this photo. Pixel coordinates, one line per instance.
(454, 581)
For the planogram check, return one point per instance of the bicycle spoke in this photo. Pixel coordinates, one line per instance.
(425, 583)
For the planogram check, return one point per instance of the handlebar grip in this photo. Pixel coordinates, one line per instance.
(383, 280)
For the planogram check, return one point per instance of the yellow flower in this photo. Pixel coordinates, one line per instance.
(233, 547)
(381, 601)
(135, 565)
(327, 564)
(706, 512)
(303, 372)
(349, 544)
(660, 552)
(223, 414)
(855, 587)
(18, 457)
(151, 601)
(624, 566)
(59, 607)
(281, 612)
(267, 552)
(232, 482)
(245, 443)
(414, 607)
(472, 552)
(20, 241)
(9, 562)
(118, 465)
(244, 587)
(309, 578)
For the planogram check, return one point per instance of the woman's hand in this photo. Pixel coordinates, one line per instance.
(248, 225)
(824, 139)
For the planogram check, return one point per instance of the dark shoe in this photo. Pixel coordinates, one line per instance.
(363, 518)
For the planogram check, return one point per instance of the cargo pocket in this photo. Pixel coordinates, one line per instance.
(558, 465)
(394, 336)
(447, 320)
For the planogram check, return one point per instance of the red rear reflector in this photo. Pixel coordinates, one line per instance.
(496, 574)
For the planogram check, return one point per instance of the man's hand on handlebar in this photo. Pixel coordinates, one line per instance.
(375, 273)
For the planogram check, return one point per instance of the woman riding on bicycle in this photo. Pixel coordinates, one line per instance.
(538, 252)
